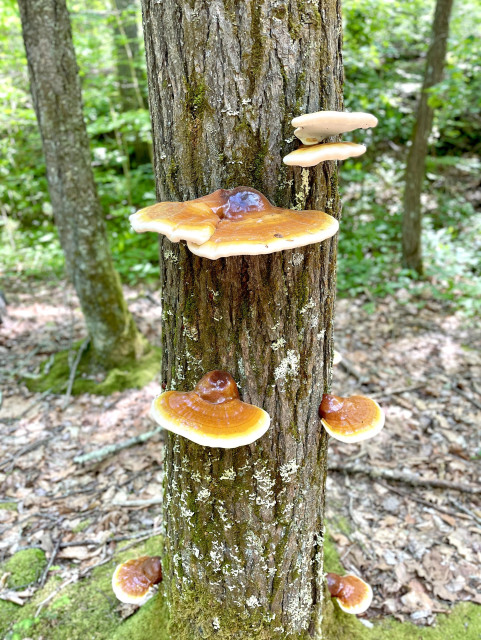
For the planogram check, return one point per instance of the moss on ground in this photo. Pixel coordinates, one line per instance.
(462, 623)
(54, 376)
(88, 610)
(25, 566)
(8, 506)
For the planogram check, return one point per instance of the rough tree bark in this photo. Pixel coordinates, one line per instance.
(57, 100)
(415, 167)
(244, 527)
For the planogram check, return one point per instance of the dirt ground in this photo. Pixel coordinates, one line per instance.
(417, 544)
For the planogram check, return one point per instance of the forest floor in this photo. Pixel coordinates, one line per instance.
(417, 544)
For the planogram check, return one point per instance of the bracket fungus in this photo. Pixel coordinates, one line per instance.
(133, 581)
(233, 222)
(351, 419)
(314, 127)
(353, 595)
(212, 415)
(313, 155)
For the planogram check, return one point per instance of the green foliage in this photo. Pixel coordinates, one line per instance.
(370, 239)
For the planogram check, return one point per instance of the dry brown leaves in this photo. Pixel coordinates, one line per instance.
(419, 548)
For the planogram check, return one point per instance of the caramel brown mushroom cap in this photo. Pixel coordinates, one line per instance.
(251, 225)
(353, 595)
(133, 581)
(351, 419)
(212, 414)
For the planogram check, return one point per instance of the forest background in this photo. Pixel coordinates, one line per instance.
(385, 44)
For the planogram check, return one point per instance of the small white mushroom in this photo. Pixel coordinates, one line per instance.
(313, 155)
(314, 127)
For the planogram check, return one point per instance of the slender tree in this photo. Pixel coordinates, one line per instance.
(127, 54)
(243, 553)
(57, 100)
(415, 167)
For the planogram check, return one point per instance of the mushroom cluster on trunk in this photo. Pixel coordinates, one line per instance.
(235, 222)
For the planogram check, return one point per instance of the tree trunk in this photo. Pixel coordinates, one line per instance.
(58, 105)
(127, 55)
(415, 167)
(130, 70)
(244, 527)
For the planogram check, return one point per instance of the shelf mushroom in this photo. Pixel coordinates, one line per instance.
(133, 581)
(351, 419)
(314, 127)
(212, 414)
(233, 222)
(313, 155)
(353, 595)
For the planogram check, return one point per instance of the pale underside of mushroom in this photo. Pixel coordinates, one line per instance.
(310, 156)
(233, 222)
(351, 419)
(314, 127)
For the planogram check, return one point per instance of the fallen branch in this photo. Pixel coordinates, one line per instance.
(426, 503)
(465, 510)
(392, 392)
(111, 449)
(466, 395)
(406, 478)
(138, 503)
(352, 370)
(50, 563)
(73, 371)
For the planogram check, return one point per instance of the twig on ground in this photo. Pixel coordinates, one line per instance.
(352, 370)
(28, 448)
(406, 478)
(426, 503)
(463, 393)
(28, 409)
(465, 510)
(111, 449)
(393, 392)
(73, 371)
(138, 503)
(97, 543)
(50, 562)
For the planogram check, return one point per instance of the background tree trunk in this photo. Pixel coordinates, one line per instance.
(58, 104)
(244, 527)
(127, 55)
(415, 167)
(130, 68)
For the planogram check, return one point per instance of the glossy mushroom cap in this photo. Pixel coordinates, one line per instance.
(133, 581)
(353, 595)
(212, 414)
(314, 127)
(232, 222)
(250, 225)
(193, 220)
(351, 419)
(336, 357)
(312, 156)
